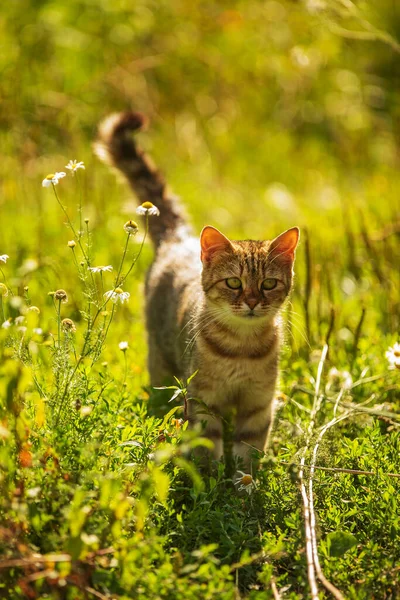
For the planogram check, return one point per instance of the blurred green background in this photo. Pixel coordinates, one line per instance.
(263, 115)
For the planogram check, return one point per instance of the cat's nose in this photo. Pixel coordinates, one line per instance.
(251, 302)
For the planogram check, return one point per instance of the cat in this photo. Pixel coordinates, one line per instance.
(211, 307)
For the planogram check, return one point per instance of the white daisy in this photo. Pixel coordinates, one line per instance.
(117, 295)
(73, 166)
(53, 179)
(245, 483)
(339, 379)
(100, 269)
(19, 320)
(147, 208)
(6, 324)
(123, 346)
(3, 258)
(393, 355)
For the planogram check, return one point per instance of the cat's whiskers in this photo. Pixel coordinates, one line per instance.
(299, 328)
(196, 320)
(200, 325)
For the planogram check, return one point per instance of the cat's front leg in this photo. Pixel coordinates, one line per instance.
(205, 413)
(252, 430)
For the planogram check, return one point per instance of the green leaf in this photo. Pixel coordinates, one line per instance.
(74, 547)
(192, 472)
(175, 395)
(168, 416)
(166, 387)
(191, 377)
(132, 443)
(339, 542)
(161, 484)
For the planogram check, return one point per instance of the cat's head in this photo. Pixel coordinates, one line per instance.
(247, 281)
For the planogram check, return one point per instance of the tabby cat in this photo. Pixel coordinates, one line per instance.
(211, 307)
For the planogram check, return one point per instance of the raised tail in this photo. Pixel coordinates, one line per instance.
(116, 146)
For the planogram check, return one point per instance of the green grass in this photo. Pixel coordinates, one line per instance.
(99, 495)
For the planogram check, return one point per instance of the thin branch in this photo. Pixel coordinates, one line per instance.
(306, 504)
(31, 560)
(331, 325)
(308, 282)
(357, 334)
(341, 470)
(327, 584)
(274, 589)
(370, 31)
(95, 593)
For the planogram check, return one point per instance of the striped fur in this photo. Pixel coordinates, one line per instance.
(195, 320)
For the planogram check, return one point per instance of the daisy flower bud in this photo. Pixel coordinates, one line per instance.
(4, 257)
(131, 227)
(123, 346)
(71, 244)
(61, 295)
(68, 325)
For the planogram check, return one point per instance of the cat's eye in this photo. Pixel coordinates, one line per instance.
(269, 284)
(233, 283)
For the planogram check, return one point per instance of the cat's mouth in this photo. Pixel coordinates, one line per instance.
(246, 317)
(251, 315)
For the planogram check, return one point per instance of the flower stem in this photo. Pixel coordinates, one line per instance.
(139, 253)
(125, 374)
(78, 185)
(70, 224)
(3, 316)
(59, 323)
(88, 242)
(122, 262)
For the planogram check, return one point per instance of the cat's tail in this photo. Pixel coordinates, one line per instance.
(115, 145)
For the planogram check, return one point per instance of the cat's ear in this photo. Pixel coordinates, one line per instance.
(212, 242)
(285, 244)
